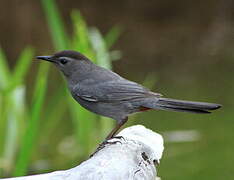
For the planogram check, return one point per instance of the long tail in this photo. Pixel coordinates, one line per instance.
(183, 106)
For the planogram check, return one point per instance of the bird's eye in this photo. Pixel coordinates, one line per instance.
(63, 61)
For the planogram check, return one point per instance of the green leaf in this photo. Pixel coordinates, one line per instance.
(31, 133)
(56, 25)
(53, 113)
(112, 36)
(80, 39)
(15, 114)
(21, 68)
(84, 126)
(4, 80)
(4, 70)
(13, 106)
(99, 46)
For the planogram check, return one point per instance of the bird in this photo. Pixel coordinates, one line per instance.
(106, 93)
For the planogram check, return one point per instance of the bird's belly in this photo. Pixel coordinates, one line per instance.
(117, 111)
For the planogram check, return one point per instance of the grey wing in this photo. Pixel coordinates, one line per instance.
(112, 91)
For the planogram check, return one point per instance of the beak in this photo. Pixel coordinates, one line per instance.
(45, 58)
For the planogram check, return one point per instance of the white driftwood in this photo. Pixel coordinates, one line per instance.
(131, 158)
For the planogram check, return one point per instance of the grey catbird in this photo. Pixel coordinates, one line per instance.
(108, 94)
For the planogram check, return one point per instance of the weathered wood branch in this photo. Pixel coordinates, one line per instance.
(135, 156)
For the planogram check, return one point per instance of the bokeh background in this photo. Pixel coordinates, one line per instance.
(182, 49)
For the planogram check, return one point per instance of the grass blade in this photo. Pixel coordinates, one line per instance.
(14, 108)
(33, 122)
(54, 111)
(99, 46)
(84, 125)
(112, 36)
(58, 33)
(15, 124)
(4, 70)
(4, 79)
(21, 68)
(81, 41)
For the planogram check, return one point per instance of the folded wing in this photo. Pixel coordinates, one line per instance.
(112, 91)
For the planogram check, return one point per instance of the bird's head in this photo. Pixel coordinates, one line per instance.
(69, 62)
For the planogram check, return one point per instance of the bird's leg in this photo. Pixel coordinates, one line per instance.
(111, 135)
(116, 128)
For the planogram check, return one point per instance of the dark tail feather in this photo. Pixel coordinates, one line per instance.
(185, 106)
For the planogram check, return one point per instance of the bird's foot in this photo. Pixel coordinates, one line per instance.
(119, 137)
(100, 146)
(107, 142)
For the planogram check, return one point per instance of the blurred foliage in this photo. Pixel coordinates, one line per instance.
(19, 120)
(21, 129)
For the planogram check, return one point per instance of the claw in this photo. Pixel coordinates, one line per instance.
(119, 137)
(100, 146)
(106, 142)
